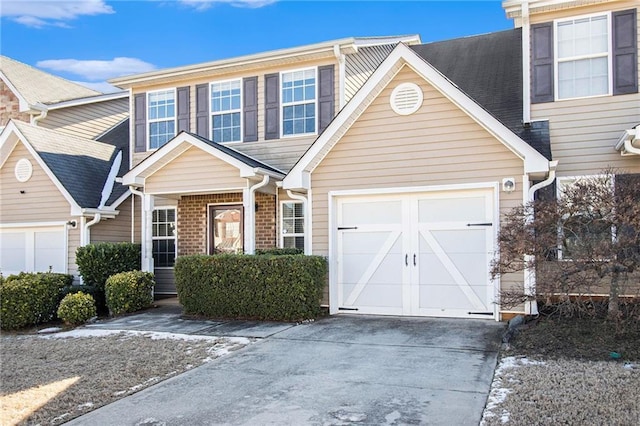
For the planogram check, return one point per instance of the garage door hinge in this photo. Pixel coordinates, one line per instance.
(344, 228)
(480, 224)
(347, 309)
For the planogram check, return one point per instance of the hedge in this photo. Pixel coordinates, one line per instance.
(30, 298)
(279, 251)
(280, 288)
(77, 308)
(129, 292)
(97, 262)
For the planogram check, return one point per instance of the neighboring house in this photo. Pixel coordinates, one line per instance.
(61, 148)
(399, 172)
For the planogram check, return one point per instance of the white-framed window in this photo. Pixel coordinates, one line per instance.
(226, 111)
(583, 56)
(299, 95)
(164, 237)
(581, 226)
(292, 224)
(161, 117)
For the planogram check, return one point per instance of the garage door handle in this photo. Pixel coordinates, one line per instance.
(414, 259)
(406, 260)
(345, 228)
(480, 224)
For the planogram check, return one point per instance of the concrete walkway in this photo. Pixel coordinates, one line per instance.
(336, 371)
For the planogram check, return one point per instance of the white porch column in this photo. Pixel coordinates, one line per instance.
(147, 233)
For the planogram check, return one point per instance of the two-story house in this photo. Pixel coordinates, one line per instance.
(61, 147)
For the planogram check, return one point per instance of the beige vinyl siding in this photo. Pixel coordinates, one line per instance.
(114, 230)
(41, 201)
(73, 242)
(262, 154)
(359, 67)
(438, 145)
(194, 171)
(87, 121)
(567, 12)
(584, 132)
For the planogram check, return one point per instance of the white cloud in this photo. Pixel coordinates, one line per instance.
(98, 70)
(40, 13)
(206, 4)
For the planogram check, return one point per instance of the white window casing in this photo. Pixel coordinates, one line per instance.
(161, 117)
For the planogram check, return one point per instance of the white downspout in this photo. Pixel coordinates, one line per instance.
(526, 64)
(341, 74)
(628, 147)
(250, 219)
(43, 114)
(531, 307)
(86, 232)
(307, 230)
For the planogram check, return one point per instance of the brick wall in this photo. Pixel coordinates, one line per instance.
(10, 106)
(192, 220)
(265, 221)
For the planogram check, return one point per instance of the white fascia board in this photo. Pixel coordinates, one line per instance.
(75, 208)
(534, 162)
(105, 213)
(513, 8)
(629, 134)
(24, 105)
(377, 41)
(89, 100)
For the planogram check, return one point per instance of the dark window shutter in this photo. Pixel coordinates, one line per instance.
(271, 106)
(202, 110)
(250, 108)
(326, 98)
(140, 122)
(542, 63)
(183, 109)
(625, 52)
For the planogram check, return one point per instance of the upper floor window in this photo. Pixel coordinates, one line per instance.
(583, 57)
(161, 117)
(226, 108)
(299, 102)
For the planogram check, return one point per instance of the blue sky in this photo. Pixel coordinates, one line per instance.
(90, 41)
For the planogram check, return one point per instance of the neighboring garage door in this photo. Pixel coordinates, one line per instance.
(423, 254)
(34, 249)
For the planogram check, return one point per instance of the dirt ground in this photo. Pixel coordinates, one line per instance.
(568, 371)
(52, 380)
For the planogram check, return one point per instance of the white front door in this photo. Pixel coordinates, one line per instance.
(422, 254)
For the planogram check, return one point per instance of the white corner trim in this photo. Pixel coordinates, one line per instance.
(534, 162)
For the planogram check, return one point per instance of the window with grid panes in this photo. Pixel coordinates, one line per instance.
(293, 225)
(299, 102)
(161, 117)
(226, 111)
(164, 237)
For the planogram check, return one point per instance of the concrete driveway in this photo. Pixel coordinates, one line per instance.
(336, 371)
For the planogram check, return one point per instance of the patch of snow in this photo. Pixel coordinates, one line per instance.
(50, 330)
(150, 422)
(85, 405)
(629, 366)
(119, 393)
(155, 335)
(505, 417)
(59, 418)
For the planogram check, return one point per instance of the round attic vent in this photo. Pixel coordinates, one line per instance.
(23, 170)
(406, 98)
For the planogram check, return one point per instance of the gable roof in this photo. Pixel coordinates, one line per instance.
(298, 177)
(247, 166)
(81, 168)
(488, 68)
(33, 86)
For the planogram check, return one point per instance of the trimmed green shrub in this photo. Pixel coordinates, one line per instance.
(93, 291)
(129, 292)
(281, 288)
(279, 251)
(29, 299)
(77, 308)
(97, 262)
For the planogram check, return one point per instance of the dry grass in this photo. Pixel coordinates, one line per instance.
(52, 380)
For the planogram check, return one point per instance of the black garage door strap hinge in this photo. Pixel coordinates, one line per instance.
(480, 224)
(347, 309)
(480, 313)
(344, 228)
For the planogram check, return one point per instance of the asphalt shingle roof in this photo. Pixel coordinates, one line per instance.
(118, 136)
(37, 86)
(81, 165)
(488, 68)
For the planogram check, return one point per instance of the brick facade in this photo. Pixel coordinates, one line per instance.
(10, 106)
(192, 220)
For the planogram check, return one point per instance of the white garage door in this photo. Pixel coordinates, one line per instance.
(422, 254)
(36, 249)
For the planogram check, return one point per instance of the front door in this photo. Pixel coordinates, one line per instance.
(225, 229)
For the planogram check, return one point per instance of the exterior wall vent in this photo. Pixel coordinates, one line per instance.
(23, 170)
(406, 98)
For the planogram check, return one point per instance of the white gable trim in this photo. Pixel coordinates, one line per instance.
(177, 146)
(5, 139)
(298, 177)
